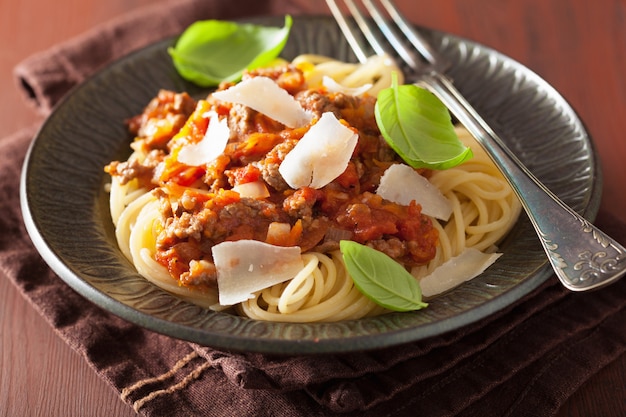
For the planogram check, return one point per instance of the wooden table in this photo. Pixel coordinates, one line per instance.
(576, 45)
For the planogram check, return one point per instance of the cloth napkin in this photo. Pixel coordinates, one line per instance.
(523, 361)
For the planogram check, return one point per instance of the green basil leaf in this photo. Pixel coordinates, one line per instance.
(211, 51)
(417, 125)
(380, 278)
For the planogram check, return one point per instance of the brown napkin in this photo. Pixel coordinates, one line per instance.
(47, 76)
(523, 361)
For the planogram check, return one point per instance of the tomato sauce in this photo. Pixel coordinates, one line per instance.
(200, 209)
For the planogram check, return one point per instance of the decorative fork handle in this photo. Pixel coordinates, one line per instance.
(582, 256)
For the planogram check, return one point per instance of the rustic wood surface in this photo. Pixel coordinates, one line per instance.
(576, 45)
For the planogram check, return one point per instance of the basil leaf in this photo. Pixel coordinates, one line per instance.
(380, 278)
(417, 125)
(211, 51)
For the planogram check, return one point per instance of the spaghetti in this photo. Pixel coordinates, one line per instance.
(161, 208)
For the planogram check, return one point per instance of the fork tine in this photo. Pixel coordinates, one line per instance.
(347, 31)
(365, 28)
(406, 55)
(416, 39)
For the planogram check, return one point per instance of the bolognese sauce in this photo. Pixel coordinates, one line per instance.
(201, 207)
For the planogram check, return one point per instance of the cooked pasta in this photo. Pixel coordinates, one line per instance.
(144, 215)
(322, 291)
(376, 71)
(485, 208)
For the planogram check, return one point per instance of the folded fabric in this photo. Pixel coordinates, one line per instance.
(524, 360)
(45, 77)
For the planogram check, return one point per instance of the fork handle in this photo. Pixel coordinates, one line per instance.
(583, 257)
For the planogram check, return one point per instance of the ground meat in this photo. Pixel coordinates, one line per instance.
(245, 219)
(201, 273)
(183, 221)
(287, 77)
(186, 251)
(249, 210)
(129, 170)
(271, 163)
(184, 227)
(299, 205)
(241, 211)
(317, 103)
(214, 176)
(162, 118)
(344, 101)
(393, 247)
(240, 121)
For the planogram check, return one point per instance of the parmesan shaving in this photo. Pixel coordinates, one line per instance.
(248, 266)
(265, 96)
(210, 147)
(321, 155)
(469, 264)
(401, 184)
(256, 190)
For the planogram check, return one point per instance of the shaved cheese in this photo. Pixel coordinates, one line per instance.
(256, 189)
(247, 266)
(321, 155)
(334, 87)
(401, 184)
(210, 147)
(265, 96)
(469, 264)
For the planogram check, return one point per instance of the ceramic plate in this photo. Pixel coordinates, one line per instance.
(66, 207)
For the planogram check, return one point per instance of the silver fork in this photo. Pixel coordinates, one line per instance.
(582, 256)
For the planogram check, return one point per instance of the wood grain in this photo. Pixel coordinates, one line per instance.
(29, 26)
(40, 375)
(576, 45)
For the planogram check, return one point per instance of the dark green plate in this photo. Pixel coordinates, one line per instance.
(66, 208)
